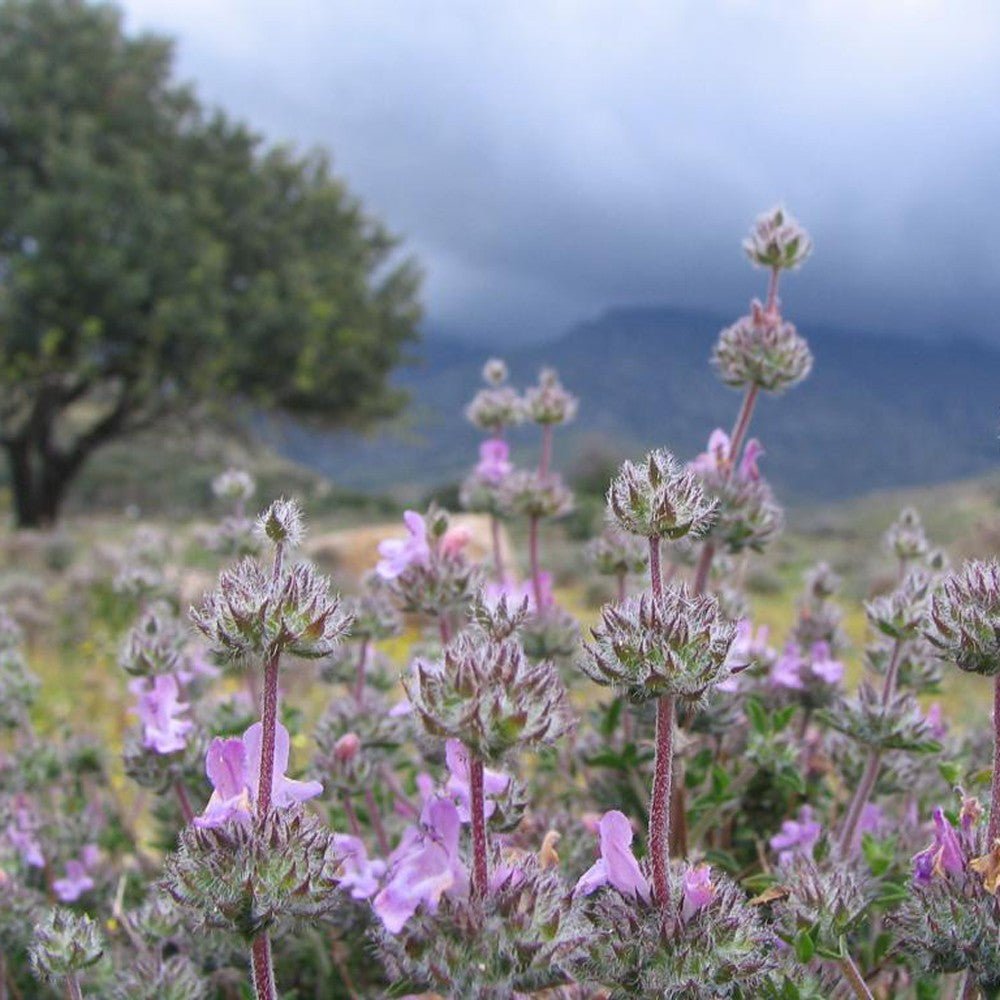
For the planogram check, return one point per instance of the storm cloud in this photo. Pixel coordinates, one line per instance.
(547, 160)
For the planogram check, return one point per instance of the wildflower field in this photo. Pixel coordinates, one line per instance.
(708, 752)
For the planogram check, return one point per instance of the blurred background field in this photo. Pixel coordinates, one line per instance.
(165, 487)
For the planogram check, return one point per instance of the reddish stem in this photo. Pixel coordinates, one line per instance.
(185, 803)
(263, 968)
(772, 291)
(659, 810)
(854, 978)
(993, 831)
(869, 777)
(376, 817)
(740, 429)
(352, 817)
(359, 682)
(545, 459)
(741, 426)
(655, 576)
(704, 567)
(498, 566)
(397, 790)
(477, 806)
(269, 722)
(536, 570)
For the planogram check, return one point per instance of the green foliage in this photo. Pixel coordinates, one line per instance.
(155, 252)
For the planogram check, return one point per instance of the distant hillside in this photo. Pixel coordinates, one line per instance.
(877, 412)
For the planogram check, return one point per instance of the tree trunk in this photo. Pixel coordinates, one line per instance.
(38, 482)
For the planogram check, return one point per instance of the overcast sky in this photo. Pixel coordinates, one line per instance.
(546, 160)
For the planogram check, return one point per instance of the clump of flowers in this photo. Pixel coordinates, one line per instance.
(660, 499)
(732, 821)
(648, 647)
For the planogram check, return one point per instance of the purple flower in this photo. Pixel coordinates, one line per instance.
(400, 709)
(77, 880)
(160, 709)
(398, 554)
(787, 669)
(935, 722)
(424, 866)
(698, 890)
(715, 461)
(233, 767)
(494, 461)
(748, 646)
(824, 666)
(21, 835)
(715, 458)
(516, 593)
(494, 782)
(943, 856)
(617, 865)
(748, 470)
(358, 875)
(872, 818)
(796, 836)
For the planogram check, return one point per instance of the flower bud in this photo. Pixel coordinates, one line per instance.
(495, 408)
(488, 695)
(282, 523)
(495, 372)
(965, 618)
(246, 878)
(65, 943)
(777, 240)
(905, 539)
(761, 350)
(613, 553)
(347, 747)
(548, 402)
(660, 499)
(648, 647)
(526, 493)
(234, 485)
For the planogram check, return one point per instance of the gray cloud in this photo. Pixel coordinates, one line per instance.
(548, 159)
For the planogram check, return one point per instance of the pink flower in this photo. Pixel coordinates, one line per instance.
(698, 890)
(400, 709)
(872, 818)
(935, 722)
(398, 554)
(21, 833)
(824, 666)
(516, 593)
(454, 541)
(715, 459)
(494, 782)
(424, 866)
(796, 836)
(159, 709)
(617, 865)
(358, 875)
(494, 461)
(787, 669)
(943, 855)
(748, 647)
(233, 767)
(715, 462)
(748, 470)
(77, 880)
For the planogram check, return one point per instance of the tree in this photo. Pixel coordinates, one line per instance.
(154, 253)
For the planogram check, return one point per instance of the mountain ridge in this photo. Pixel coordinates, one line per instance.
(878, 411)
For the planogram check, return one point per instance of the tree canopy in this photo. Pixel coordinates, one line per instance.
(154, 252)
